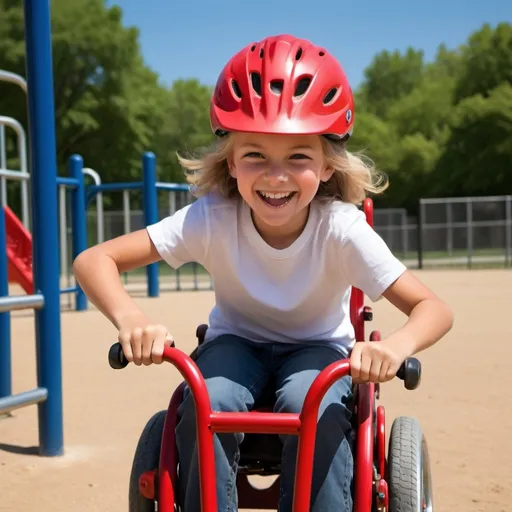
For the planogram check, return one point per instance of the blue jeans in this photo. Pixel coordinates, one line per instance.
(236, 372)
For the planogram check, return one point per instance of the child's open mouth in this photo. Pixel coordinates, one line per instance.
(276, 199)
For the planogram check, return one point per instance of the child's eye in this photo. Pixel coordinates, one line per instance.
(253, 154)
(299, 156)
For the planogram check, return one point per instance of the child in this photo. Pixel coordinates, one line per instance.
(277, 227)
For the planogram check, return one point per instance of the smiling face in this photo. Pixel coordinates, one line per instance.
(278, 176)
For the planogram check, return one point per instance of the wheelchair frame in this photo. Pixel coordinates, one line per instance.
(371, 488)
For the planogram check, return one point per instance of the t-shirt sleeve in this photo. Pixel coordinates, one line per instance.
(367, 261)
(184, 236)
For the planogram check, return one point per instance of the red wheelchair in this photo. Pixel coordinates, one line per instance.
(397, 482)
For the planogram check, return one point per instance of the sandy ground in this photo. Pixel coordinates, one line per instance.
(463, 402)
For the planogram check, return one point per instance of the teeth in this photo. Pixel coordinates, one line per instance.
(275, 196)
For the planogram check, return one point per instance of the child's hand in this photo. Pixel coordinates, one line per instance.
(145, 345)
(374, 362)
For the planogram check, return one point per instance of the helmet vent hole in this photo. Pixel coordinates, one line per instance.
(329, 97)
(256, 83)
(276, 86)
(321, 54)
(261, 53)
(298, 55)
(253, 47)
(236, 89)
(302, 86)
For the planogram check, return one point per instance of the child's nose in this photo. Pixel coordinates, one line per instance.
(276, 174)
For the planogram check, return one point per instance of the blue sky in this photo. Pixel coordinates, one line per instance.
(194, 38)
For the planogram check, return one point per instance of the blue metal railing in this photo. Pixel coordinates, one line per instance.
(149, 188)
(150, 202)
(45, 238)
(43, 163)
(78, 219)
(5, 321)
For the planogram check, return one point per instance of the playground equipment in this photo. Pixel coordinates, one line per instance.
(46, 299)
(19, 251)
(22, 175)
(19, 239)
(178, 195)
(148, 186)
(33, 259)
(399, 482)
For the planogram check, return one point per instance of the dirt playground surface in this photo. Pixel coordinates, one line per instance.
(463, 403)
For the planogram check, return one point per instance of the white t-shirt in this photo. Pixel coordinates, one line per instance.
(301, 293)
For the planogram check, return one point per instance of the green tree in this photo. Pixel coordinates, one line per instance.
(377, 139)
(444, 127)
(447, 63)
(418, 158)
(487, 60)
(425, 110)
(477, 156)
(389, 77)
(108, 104)
(186, 126)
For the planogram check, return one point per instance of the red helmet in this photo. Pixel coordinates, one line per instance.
(283, 85)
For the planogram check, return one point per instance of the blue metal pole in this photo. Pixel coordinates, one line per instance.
(5, 318)
(43, 162)
(78, 219)
(150, 204)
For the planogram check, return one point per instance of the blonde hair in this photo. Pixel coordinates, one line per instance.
(353, 179)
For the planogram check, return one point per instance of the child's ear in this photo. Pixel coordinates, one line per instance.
(231, 167)
(327, 174)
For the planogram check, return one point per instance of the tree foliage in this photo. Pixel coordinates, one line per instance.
(441, 128)
(449, 120)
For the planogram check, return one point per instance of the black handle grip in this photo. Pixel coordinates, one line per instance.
(410, 373)
(116, 357)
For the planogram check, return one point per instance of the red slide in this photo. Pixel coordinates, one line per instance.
(19, 251)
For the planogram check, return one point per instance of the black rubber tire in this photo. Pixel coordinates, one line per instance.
(408, 467)
(146, 458)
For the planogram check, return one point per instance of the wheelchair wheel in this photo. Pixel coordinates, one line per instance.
(146, 458)
(409, 478)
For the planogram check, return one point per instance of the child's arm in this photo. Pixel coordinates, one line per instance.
(98, 270)
(429, 320)
(370, 266)
(429, 317)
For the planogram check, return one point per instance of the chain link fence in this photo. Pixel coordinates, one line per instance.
(400, 232)
(449, 232)
(467, 231)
